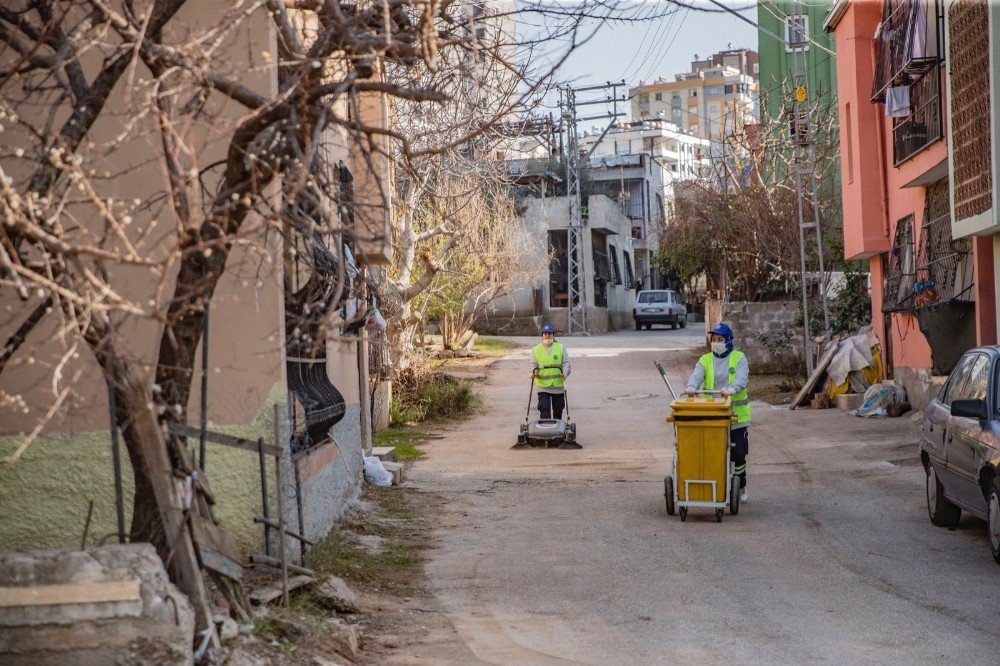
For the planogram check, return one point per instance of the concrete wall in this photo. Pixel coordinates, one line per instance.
(517, 313)
(768, 334)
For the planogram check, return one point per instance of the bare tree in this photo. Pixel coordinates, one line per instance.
(737, 225)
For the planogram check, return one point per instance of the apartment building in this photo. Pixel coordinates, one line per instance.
(712, 101)
(918, 134)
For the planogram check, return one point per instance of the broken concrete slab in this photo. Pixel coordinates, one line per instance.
(346, 638)
(112, 604)
(396, 469)
(384, 453)
(849, 401)
(335, 594)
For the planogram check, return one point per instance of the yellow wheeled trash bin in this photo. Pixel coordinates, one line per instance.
(703, 475)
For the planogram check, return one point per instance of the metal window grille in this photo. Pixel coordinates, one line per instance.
(922, 127)
(897, 288)
(944, 264)
(909, 44)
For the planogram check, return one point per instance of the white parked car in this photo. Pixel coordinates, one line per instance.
(659, 306)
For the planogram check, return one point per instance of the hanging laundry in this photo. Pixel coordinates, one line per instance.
(897, 102)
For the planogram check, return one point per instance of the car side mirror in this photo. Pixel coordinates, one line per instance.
(971, 408)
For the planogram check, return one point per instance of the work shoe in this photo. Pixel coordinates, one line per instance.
(744, 495)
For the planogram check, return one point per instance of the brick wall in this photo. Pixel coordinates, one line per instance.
(969, 101)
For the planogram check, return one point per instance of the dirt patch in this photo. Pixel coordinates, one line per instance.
(774, 389)
(379, 549)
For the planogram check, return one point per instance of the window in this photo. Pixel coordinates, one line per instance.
(920, 126)
(897, 289)
(969, 379)
(629, 274)
(756, 68)
(728, 88)
(797, 33)
(675, 112)
(658, 97)
(694, 93)
(615, 269)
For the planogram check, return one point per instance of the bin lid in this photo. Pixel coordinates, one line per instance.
(702, 407)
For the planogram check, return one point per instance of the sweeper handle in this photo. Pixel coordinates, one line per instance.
(531, 390)
(663, 373)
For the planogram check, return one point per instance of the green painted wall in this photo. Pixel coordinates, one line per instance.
(44, 495)
(775, 62)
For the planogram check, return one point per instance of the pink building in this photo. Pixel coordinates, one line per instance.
(933, 292)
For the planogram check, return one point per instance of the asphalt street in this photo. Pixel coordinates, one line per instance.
(553, 556)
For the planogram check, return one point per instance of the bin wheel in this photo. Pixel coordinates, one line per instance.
(668, 493)
(684, 513)
(718, 515)
(734, 496)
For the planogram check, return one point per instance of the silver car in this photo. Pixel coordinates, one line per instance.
(960, 444)
(659, 306)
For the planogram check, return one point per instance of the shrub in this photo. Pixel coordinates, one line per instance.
(425, 396)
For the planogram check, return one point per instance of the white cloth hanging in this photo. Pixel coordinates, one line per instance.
(897, 102)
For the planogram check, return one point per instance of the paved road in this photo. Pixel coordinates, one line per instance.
(550, 556)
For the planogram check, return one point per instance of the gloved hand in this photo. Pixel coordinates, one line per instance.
(690, 391)
(725, 393)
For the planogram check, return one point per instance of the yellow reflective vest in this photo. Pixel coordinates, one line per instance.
(740, 401)
(549, 364)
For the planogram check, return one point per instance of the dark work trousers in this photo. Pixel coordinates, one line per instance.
(741, 447)
(551, 403)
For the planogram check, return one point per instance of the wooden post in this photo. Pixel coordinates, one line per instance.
(278, 473)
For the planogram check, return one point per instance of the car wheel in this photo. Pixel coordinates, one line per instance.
(941, 512)
(993, 519)
(683, 323)
(649, 327)
(673, 326)
(668, 493)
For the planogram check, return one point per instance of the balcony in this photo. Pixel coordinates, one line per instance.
(922, 127)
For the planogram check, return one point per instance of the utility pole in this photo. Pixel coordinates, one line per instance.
(613, 95)
(804, 170)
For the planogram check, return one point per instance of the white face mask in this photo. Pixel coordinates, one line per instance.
(547, 342)
(719, 347)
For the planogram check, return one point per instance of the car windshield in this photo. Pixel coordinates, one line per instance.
(654, 297)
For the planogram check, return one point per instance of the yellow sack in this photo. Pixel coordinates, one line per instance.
(872, 375)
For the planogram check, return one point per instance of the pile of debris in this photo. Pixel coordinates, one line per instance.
(849, 375)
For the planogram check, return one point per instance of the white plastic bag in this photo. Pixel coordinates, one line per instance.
(376, 473)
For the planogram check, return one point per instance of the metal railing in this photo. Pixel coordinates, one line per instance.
(923, 126)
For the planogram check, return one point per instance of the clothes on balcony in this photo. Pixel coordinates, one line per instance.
(897, 102)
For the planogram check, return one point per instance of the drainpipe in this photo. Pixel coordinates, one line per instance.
(883, 182)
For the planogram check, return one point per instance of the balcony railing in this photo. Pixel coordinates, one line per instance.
(922, 127)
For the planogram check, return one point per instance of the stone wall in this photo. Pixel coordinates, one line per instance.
(768, 334)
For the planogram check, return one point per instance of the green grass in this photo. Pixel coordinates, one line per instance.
(404, 441)
(493, 346)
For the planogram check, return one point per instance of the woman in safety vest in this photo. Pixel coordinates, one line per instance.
(726, 370)
(551, 369)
